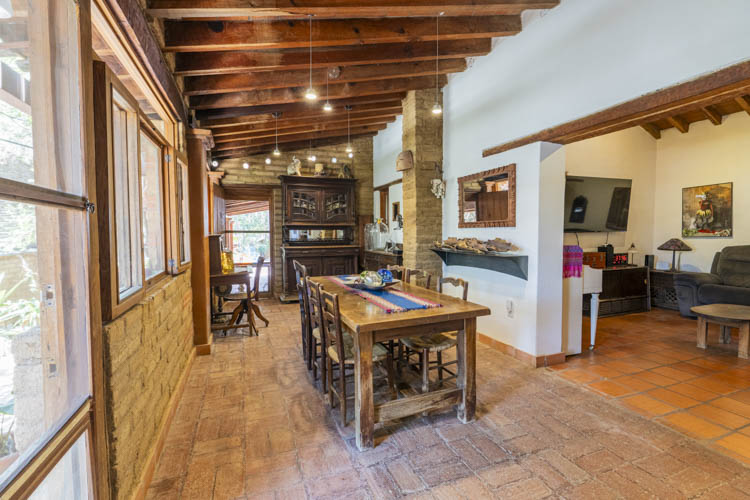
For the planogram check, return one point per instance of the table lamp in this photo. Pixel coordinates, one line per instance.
(675, 245)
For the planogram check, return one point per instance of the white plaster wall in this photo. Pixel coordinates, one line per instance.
(385, 149)
(628, 154)
(579, 58)
(708, 154)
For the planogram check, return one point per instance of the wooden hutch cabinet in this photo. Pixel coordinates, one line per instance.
(318, 228)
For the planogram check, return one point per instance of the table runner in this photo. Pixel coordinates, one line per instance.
(388, 299)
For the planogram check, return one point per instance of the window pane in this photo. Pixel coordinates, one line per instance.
(247, 247)
(153, 222)
(250, 221)
(127, 216)
(44, 351)
(184, 208)
(40, 140)
(69, 479)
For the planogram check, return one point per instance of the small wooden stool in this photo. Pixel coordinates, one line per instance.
(727, 316)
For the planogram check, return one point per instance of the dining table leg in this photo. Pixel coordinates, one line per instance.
(467, 359)
(364, 411)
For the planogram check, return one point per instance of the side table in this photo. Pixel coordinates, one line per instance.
(662, 289)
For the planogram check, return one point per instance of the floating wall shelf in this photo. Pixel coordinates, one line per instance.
(515, 265)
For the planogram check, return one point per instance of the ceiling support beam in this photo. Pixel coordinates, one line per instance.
(205, 36)
(289, 146)
(679, 123)
(652, 129)
(270, 125)
(744, 103)
(299, 137)
(309, 127)
(226, 62)
(219, 84)
(712, 114)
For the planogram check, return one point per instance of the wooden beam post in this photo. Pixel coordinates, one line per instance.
(652, 129)
(712, 114)
(679, 123)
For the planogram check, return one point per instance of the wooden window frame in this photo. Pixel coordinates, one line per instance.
(178, 161)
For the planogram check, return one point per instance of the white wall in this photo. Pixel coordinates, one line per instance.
(386, 147)
(708, 154)
(579, 58)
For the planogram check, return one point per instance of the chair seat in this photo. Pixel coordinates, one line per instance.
(435, 343)
(379, 353)
(235, 296)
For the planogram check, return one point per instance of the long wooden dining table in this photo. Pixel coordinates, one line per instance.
(369, 324)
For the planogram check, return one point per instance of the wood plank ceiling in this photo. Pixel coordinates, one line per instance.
(244, 62)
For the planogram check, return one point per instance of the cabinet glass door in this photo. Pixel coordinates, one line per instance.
(336, 206)
(303, 206)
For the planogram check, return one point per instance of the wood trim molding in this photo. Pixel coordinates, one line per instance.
(511, 222)
(522, 356)
(387, 185)
(727, 83)
(148, 472)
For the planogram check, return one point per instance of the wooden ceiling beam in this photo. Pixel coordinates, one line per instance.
(713, 115)
(288, 146)
(744, 103)
(679, 124)
(301, 129)
(652, 129)
(329, 118)
(206, 36)
(219, 84)
(299, 137)
(304, 114)
(226, 62)
(337, 91)
(331, 9)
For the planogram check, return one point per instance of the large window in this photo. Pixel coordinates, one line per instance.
(183, 212)
(248, 234)
(153, 213)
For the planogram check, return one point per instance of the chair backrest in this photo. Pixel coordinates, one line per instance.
(457, 282)
(258, 269)
(332, 322)
(313, 296)
(418, 273)
(399, 271)
(734, 266)
(304, 306)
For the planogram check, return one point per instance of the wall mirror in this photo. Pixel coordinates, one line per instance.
(488, 199)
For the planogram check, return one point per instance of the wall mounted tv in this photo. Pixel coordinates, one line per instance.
(596, 204)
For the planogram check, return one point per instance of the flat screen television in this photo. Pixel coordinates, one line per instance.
(596, 204)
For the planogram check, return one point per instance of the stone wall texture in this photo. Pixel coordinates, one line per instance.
(261, 174)
(146, 352)
(422, 211)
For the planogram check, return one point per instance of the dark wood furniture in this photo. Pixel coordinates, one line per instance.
(663, 293)
(300, 274)
(246, 299)
(380, 259)
(727, 316)
(625, 290)
(319, 222)
(242, 278)
(370, 324)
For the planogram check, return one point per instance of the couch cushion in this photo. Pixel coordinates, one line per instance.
(734, 266)
(723, 294)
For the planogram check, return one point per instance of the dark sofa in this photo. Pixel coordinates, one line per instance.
(727, 283)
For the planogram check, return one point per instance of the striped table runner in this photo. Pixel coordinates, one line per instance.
(388, 299)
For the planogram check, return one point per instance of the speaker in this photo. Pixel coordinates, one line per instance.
(650, 259)
(609, 250)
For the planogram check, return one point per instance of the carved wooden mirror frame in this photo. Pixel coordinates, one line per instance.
(511, 220)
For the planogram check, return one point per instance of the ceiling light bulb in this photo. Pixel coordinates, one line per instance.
(214, 163)
(349, 148)
(312, 158)
(268, 161)
(310, 94)
(327, 107)
(245, 165)
(351, 155)
(334, 160)
(437, 109)
(276, 152)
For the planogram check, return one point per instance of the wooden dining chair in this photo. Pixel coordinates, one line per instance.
(247, 301)
(423, 345)
(399, 272)
(414, 275)
(340, 352)
(317, 359)
(300, 272)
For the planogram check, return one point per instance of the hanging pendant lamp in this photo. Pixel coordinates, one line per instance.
(310, 155)
(310, 94)
(276, 151)
(437, 109)
(327, 106)
(349, 148)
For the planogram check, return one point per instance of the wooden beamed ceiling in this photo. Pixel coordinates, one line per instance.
(714, 113)
(244, 62)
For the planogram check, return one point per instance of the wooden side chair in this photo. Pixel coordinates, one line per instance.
(247, 301)
(435, 343)
(317, 360)
(399, 272)
(417, 274)
(340, 351)
(300, 272)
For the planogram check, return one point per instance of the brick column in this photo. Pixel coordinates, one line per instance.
(422, 212)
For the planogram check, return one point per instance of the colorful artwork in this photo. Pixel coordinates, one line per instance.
(707, 211)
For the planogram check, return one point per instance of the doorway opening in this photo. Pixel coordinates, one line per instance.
(248, 235)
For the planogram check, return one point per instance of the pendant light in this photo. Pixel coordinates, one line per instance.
(349, 131)
(310, 94)
(437, 109)
(246, 165)
(276, 151)
(268, 160)
(311, 156)
(327, 106)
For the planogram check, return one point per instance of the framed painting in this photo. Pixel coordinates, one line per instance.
(707, 211)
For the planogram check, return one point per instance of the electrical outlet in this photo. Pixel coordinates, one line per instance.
(510, 308)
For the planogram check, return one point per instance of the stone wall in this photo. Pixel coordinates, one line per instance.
(260, 173)
(422, 211)
(146, 351)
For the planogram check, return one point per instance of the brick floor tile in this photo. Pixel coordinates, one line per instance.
(444, 472)
(488, 448)
(527, 489)
(335, 486)
(692, 481)
(661, 465)
(741, 396)
(647, 406)
(165, 489)
(634, 384)
(655, 486)
(601, 460)
(403, 474)
(502, 474)
(217, 445)
(737, 443)
(623, 486)
(733, 406)
(610, 388)
(229, 482)
(469, 488)
(570, 471)
(718, 416)
(672, 398)
(579, 375)
(468, 454)
(723, 492)
(432, 456)
(655, 378)
(380, 482)
(692, 391)
(591, 490)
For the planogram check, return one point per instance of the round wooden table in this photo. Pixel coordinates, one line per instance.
(726, 315)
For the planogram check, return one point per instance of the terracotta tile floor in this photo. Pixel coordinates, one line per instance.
(650, 364)
(251, 425)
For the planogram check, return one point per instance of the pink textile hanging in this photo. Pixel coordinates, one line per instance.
(572, 261)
